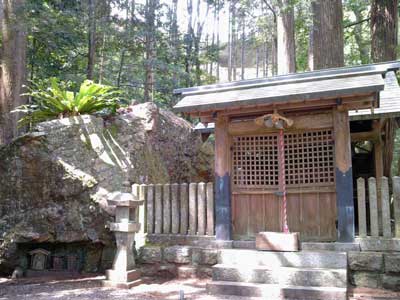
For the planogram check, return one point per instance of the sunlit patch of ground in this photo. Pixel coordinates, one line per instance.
(89, 288)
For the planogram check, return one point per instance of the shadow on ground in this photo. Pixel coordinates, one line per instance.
(90, 288)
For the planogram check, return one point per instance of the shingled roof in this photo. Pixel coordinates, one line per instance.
(323, 84)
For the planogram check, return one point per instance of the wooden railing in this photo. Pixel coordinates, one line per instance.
(378, 208)
(186, 209)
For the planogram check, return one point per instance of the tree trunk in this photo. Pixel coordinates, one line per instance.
(13, 66)
(384, 24)
(150, 50)
(384, 27)
(234, 39)
(230, 43)
(327, 35)
(174, 42)
(285, 38)
(189, 43)
(358, 31)
(217, 58)
(213, 39)
(242, 58)
(197, 40)
(257, 61)
(105, 19)
(92, 39)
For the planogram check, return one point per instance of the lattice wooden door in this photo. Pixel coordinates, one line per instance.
(256, 182)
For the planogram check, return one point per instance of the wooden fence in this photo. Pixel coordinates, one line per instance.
(378, 208)
(186, 209)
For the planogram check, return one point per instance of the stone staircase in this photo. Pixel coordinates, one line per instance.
(310, 275)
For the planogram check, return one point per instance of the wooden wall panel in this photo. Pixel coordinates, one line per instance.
(311, 214)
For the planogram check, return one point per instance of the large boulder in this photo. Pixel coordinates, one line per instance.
(54, 182)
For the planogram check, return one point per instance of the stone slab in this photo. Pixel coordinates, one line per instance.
(204, 256)
(392, 263)
(301, 259)
(391, 282)
(365, 279)
(150, 254)
(178, 254)
(119, 276)
(283, 276)
(182, 239)
(121, 285)
(379, 244)
(366, 261)
(275, 292)
(186, 272)
(277, 241)
(244, 244)
(341, 247)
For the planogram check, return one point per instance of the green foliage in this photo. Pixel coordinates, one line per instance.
(56, 101)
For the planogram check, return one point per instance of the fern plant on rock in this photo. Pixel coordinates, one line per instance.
(56, 101)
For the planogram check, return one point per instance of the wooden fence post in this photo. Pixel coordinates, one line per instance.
(396, 205)
(166, 208)
(385, 201)
(201, 208)
(158, 208)
(140, 192)
(175, 208)
(192, 209)
(373, 207)
(210, 208)
(184, 208)
(150, 208)
(362, 213)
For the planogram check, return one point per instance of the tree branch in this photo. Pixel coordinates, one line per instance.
(271, 9)
(358, 22)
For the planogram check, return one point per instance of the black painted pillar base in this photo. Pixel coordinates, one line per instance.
(345, 205)
(223, 214)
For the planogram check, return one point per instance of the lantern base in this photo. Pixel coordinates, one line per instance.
(122, 279)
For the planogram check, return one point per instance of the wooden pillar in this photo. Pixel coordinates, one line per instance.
(223, 215)
(344, 176)
(378, 157)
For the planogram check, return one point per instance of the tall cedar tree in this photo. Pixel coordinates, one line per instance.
(327, 45)
(151, 6)
(91, 38)
(384, 28)
(285, 38)
(13, 65)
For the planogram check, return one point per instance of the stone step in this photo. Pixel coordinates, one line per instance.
(282, 275)
(275, 292)
(340, 247)
(302, 259)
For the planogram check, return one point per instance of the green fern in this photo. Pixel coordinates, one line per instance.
(56, 101)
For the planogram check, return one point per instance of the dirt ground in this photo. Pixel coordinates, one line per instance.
(89, 288)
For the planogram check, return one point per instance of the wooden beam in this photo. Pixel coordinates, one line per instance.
(312, 121)
(364, 136)
(344, 176)
(354, 102)
(223, 218)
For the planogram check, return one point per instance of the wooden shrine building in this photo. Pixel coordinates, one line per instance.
(321, 114)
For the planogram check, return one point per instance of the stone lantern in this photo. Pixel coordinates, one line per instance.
(123, 274)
